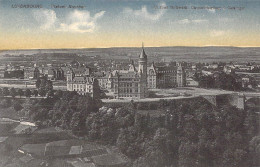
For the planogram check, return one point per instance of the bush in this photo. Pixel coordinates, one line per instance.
(17, 106)
(6, 103)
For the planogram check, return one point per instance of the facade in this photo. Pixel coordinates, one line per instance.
(133, 83)
(130, 83)
(80, 80)
(166, 76)
(83, 85)
(29, 73)
(56, 74)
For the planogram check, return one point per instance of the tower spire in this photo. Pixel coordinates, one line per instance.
(142, 54)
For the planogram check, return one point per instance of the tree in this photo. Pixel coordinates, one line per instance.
(6, 92)
(20, 92)
(254, 148)
(58, 93)
(35, 93)
(50, 93)
(48, 86)
(77, 123)
(38, 83)
(187, 154)
(17, 106)
(13, 92)
(1, 92)
(28, 106)
(28, 93)
(42, 92)
(40, 115)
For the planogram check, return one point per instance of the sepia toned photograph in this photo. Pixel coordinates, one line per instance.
(129, 83)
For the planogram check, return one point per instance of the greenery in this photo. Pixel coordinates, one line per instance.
(189, 132)
(44, 86)
(221, 80)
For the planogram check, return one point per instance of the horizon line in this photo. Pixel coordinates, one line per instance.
(130, 47)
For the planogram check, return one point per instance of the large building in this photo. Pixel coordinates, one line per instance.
(80, 80)
(165, 76)
(132, 83)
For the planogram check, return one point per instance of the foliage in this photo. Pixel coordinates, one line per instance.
(13, 92)
(191, 132)
(20, 92)
(17, 106)
(6, 92)
(28, 93)
(219, 80)
(35, 93)
(6, 103)
(44, 86)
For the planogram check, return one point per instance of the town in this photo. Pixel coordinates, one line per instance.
(77, 108)
(131, 78)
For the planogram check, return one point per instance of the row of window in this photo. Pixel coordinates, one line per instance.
(80, 86)
(128, 79)
(126, 90)
(83, 90)
(128, 84)
(127, 95)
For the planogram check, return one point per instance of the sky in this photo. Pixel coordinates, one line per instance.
(128, 23)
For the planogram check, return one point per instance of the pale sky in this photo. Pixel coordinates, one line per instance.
(114, 23)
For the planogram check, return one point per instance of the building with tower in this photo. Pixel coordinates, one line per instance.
(131, 83)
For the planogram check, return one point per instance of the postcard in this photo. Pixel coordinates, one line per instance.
(129, 83)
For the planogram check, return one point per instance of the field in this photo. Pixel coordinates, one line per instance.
(190, 54)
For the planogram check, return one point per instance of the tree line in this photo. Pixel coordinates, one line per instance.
(223, 81)
(189, 132)
(44, 87)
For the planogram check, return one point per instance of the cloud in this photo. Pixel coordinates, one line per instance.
(184, 21)
(143, 13)
(80, 21)
(212, 10)
(45, 17)
(188, 21)
(217, 33)
(225, 20)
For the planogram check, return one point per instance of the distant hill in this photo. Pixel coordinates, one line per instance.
(190, 54)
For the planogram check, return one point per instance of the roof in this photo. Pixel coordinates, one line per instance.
(2, 139)
(109, 160)
(56, 150)
(74, 63)
(132, 66)
(165, 68)
(21, 129)
(26, 158)
(81, 164)
(127, 75)
(94, 152)
(36, 149)
(75, 150)
(70, 142)
(83, 79)
(142, 54)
